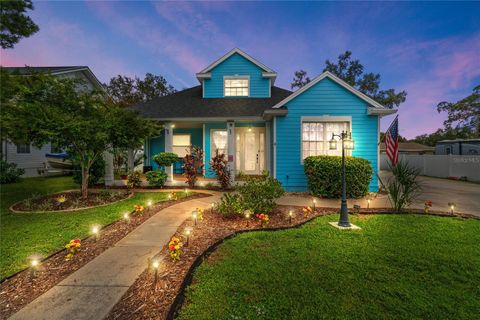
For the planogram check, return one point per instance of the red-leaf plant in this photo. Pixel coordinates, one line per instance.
(193, 164)
(220, 167)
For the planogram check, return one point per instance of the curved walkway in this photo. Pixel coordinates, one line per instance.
(93, 290)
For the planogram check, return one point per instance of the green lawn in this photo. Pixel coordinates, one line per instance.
(398, 266)
(23, 234)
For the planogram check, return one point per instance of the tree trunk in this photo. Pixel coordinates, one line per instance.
(85, 176)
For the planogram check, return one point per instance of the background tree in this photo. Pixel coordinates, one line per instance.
(300, 79)
(45, 109)
(14, 23)
(352, 72)
(400, 138)
(126, 91)
(443, 134)
(464, 114)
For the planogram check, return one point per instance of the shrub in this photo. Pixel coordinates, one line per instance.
(134, 179)
(165, 159)
(97, 172)
(220, 166)
(231, 204)
(156, 178)
(403, 187)
(193, 164)
(324, 174)
(259, 195)
(9, 173)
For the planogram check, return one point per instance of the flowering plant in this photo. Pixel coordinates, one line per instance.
(200, 214)
(428, 205)
(72, 248)
(307, 211)
(263, 217)
(61, 199)
(139, 208)
(175, 248)
(173, 196)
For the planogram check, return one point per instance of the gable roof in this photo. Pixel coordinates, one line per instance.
(410, 147)
(57, 70)
(190, 104)
(375, 108)
(268, 73)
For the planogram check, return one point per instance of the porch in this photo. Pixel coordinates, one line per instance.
(247, 144)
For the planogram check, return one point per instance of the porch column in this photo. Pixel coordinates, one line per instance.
(231, 149)
(109, 177)
(168, 148)
(130, 160)
(268, 147)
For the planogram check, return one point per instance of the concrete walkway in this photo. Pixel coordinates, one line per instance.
(93, 290)
(465, 195)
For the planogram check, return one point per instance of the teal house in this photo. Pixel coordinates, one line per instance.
(237, 109)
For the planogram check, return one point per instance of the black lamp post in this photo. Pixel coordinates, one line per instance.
(347, 144)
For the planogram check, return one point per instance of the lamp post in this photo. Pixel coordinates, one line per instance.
(347, 144)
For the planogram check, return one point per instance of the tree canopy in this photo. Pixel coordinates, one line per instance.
(126, 91)
(40, 108)
(352, 72)
(463, 114)
(431, 139)
(14, 23)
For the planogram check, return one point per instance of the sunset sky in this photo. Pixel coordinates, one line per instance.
(431, 50)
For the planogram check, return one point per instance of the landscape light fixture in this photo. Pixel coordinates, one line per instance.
(247, 214)
(290, 215)
(194, 216)
(149, 203)
(188, 232)
(347, 144)
(155, 265)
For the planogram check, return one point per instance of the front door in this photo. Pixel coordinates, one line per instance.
(250, 155)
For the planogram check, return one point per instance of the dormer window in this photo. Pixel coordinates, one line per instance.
(236, 86)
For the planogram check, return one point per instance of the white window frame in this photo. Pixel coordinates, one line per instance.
(181, 145)
(325, 119)
(234, 78)
(212, 149)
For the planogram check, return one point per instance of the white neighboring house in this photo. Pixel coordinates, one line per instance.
(30, 158)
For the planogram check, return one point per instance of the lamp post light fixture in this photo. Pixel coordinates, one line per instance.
(194, 216)
(347, 144)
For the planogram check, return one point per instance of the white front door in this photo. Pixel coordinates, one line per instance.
(250, 146)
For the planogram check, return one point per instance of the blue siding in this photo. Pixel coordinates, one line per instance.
(324, 98)
(237, 65)
(157, 144)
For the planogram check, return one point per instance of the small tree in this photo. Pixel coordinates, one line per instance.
(220, 166)
(40, 108)
(192, 164)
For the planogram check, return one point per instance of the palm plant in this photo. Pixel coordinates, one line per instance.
(403, 187)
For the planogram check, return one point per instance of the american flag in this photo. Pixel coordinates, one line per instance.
(391, 141)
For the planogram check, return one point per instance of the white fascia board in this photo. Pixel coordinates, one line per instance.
(243, 54)
(339, 81)
(380, 112)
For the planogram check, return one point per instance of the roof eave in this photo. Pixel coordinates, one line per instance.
(372, 111)
(270, 113)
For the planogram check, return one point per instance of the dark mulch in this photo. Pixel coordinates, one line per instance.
(70, 200)
(22, 288)
(143, 300)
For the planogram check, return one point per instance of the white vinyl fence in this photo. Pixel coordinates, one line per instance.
(441, 166)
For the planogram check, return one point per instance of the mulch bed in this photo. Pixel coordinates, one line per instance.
(145, 300)
(70, 200)
(21, 288)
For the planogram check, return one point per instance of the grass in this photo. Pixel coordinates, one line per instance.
(397, 266)
(24, 234)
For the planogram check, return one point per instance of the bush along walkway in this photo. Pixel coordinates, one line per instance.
(100, 273)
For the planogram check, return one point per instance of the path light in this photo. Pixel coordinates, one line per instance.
(188, 232)
(314, 203)
(149, 203)
(213, 206)
(290, 215)
(126, 216)
(95, 232)
(169, 196)
(186, 191)
(155, 265)
(34, 264)
(194, 216)
(247, 214)
(368, 203)
(452, 207)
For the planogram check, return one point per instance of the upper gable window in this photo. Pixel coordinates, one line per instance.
(236, 86)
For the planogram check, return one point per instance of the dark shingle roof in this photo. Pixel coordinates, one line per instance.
(53, 69)
(189, 103)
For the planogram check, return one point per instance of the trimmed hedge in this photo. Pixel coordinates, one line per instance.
(324, 175)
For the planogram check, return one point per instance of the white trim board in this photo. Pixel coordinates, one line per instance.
(243, 54)
(339, 81)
